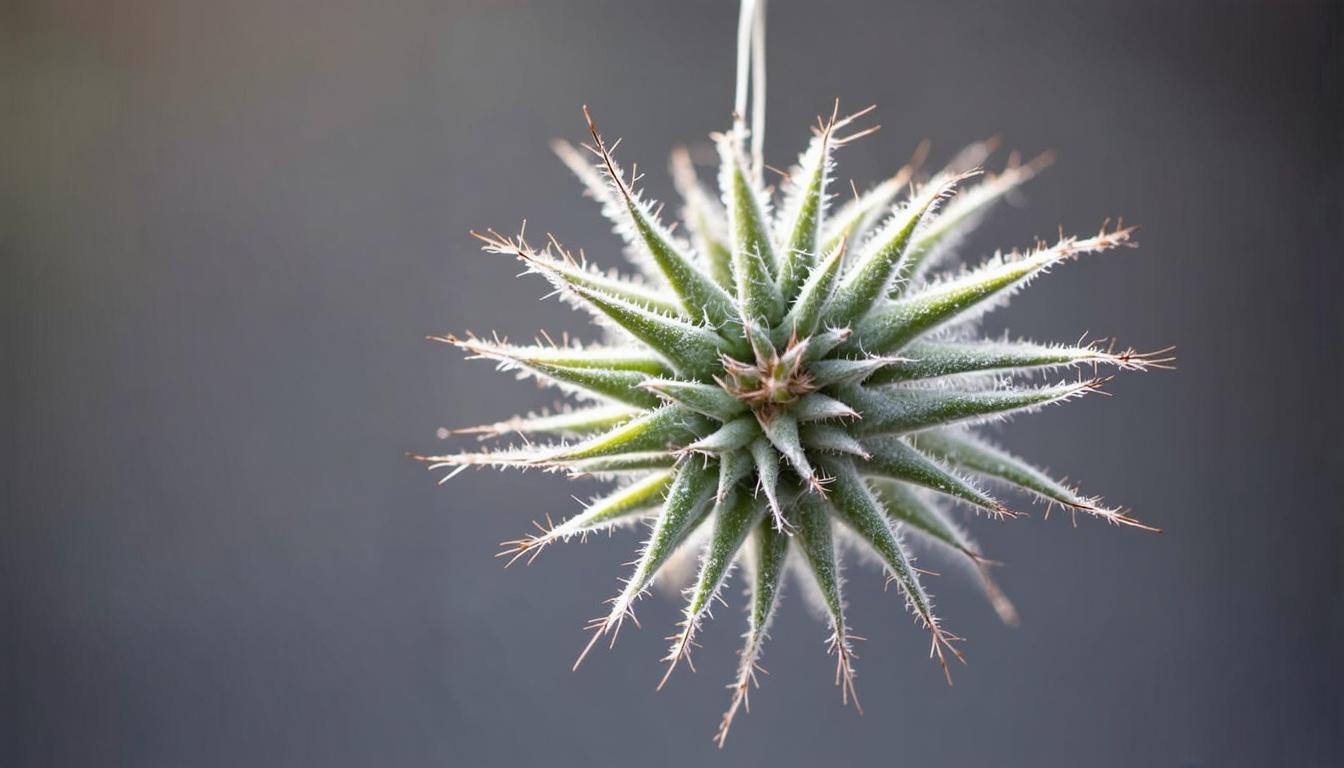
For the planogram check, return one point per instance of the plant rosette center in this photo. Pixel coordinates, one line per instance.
(772, 379)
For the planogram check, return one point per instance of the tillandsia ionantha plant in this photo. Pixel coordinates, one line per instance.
(773, 381)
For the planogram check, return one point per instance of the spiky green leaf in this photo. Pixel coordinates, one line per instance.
(856, 219)
(595, 186)
(605, 358)
(888, 328)
(894, 409)
(686, 506)
(856, 506)
(734, 466)
(734, 518)
(932, 359)
(603, 513)
(805, 207)
(892, 457)
(770, 551)
(819, 407)
(619, 463)
(823, 343)
(931, 522)
(569, 270)
(580, 421)
(620, 386)
(805, 314)
(832, 438)
(665, 428)
(782, 430)
(699, 295)
(754, 266)
(730, 436)
(766, 461)
(690, 348)
(884, 260)
(815, 541)
(846, 371)
(963, 214)
(709, 399)
(962, 449)
(704, 218)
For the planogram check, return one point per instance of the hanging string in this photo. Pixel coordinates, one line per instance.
(744, 28)
(751, 72)
(758, 90)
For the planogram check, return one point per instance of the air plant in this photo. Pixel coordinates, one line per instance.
(773, 380)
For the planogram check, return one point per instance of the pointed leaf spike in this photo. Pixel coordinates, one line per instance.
(589, 383)
(697, 291)
(596, 186)
(657, 430)
(856, 506)
(929, 359)
(962, 449)
(930, 521)
(891, 326)
(883, 261)
(708, 399)
(895, 410)
(857, 217)
(605, 358)
(734, 466)
(691, 349)
(819, 407)
(581, 421)
(833, 439)
(824, 342)
(754, 267)
(964, 213)
(782, 430)
(600, 514)
(770, 550)
(815, 539)
(733, 520)
(569, 270)
(733, 435)
(806, 206)
(767, 475)
(805, 315)
(846, 371)
(686, 506)
(704, 219)
(892, 457)
(617, 464)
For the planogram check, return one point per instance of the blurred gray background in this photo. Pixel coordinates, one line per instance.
(226, 228)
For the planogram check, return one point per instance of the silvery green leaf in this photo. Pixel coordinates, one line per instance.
(893, 458)
(770, 551)
(962, 449)
(603, 513)
(818, 548)
(931, 522)
(734, 518)
(579, 421)
(933, 359)
(893, 409)
(705, 219)
(884, 261)
(889, 327)
(754, 265)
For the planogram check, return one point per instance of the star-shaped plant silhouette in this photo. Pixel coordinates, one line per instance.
(773, 380)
